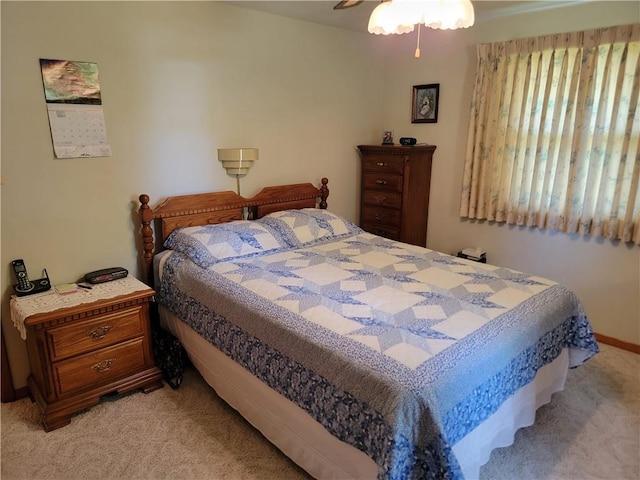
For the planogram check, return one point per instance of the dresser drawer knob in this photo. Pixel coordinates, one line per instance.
(99, 332)
(381, 182)
(381, 164)
(380, 216)
(380, 199)
(104, 365)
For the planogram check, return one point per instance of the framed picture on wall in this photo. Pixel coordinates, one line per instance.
(424, 104)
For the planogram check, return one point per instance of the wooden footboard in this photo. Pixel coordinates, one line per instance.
(219, 207)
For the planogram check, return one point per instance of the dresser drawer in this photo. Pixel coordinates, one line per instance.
(382, 199)
(81, 337)
(383, 216)
(384, 164)
(382, 181)
(383, 230)
(99, 367)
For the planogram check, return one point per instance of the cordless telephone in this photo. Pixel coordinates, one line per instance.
(24, 285)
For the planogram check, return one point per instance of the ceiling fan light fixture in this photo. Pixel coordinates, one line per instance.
(401, 16)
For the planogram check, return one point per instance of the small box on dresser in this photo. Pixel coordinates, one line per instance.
(84, 346)
(481, 259)
(395, 185)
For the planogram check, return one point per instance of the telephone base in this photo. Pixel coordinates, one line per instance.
(37, 286)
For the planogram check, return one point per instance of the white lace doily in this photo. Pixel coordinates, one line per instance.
(23, 307)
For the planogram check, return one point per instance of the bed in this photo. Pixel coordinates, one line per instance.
(356, 355)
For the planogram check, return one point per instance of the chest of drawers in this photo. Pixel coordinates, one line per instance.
(395, 184)
(81, 352)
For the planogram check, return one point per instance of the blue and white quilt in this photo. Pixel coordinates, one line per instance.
(395, 349)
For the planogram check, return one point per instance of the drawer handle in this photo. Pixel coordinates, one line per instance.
(99, 332)
(381, 182)
(381, 164)
(104, 365)
(380, 216)
(380, 199)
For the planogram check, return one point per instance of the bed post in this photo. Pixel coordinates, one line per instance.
(324, 193)
(146, 215)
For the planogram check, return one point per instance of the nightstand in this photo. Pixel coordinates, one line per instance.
(86, 345)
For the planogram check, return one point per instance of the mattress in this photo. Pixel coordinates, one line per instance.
(409, 356)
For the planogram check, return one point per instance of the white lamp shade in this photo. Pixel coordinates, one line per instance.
(390, 18)
(448, 14)
(237, 161)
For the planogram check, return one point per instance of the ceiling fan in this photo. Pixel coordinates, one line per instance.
(347, 4)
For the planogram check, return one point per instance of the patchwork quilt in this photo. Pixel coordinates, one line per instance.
(395, 349)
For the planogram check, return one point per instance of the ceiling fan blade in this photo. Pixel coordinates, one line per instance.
(347, 4)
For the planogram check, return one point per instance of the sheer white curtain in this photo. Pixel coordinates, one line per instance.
(554, 132)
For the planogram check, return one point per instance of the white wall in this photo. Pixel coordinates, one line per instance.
(604, 274)
(179, 80)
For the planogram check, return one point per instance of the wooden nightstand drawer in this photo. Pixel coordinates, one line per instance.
(108, 329)
(382, 181)
(383, 199)
(102, 366)
(384, 163)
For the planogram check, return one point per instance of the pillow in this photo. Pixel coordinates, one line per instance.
(308, 225)
(208, 244)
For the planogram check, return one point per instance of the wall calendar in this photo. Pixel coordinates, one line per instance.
(74, 105)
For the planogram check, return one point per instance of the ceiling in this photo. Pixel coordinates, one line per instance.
(357, 18)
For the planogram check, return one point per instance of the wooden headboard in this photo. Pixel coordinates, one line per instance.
(219, 207)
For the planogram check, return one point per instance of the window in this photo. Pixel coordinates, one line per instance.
(554, 132)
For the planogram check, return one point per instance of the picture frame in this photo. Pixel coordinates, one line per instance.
(424, 103)
(387, 137)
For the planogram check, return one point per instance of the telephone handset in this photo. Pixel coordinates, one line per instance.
(24, 285)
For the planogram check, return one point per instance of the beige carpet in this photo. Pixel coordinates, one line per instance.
(591, 430)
